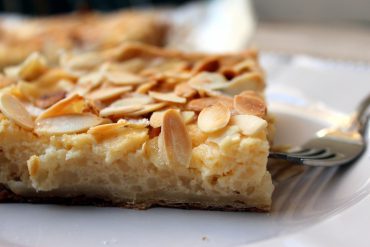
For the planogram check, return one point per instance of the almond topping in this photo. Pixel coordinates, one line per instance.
(48, 100)
(174, 140)
(167, 97)
(108, 93)
(188, 116)
(206, 81)
(201, 103)
(249, 124)
(123, 78)
(67, 124)
(147, 109)
(12, 108)
(133, 99)
(213, 118)
(71, 105)
(144, 88)
(119, 110)
(184, 90)
(156, 118)
(32, 67)
(106, 131)
(249, 81)
(250, 104)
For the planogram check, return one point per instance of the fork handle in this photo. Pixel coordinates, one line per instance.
(362, 115)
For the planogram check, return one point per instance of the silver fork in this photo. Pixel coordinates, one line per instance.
(333, 147)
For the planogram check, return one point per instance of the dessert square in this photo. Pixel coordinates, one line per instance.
(137, 126)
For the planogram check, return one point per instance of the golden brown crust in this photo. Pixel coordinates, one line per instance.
(7, 196)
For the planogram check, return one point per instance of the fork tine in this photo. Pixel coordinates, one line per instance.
(308, 152)
(318, 154)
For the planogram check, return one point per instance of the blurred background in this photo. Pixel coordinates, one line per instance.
(331, 28)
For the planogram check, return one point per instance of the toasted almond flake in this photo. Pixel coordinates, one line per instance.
(83, 61)
(167, 97)
(219, 137)
(119, 110)
(245, 66)
(144, 88)
(123, 78)
(71, 105)
(147, 109)
(206, 81)
(188, 116)
(93, 79)
(13, 109)
(33, 110)
(54, 75)
(32, 67)
(48, 100)
(250, 105)
(138, 123)
(174, 140)
(156, 119)
(249, 81)
(184, 90)
(28, 90)
(133, 99)
(207, 64)
(106, 131)
(214, 118)
(67, 124)
(249, 124)
(201, 103)
(108, 93)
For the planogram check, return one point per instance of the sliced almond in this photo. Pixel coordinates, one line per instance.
(108, 93)
(71, 105)
(188, 116)
(67, 124)
(123, 78)
(174, 140)
(167, 97)
(85, 61)
(147, 109)
(48, 100)
(214, 118)
(33, 110)
(156, 118)
(119, 110)
(250, 105)
(249, 124)
(106, 131)
(138, 123)
(201, 103)
(54, 75)
(144, 88)
(93, 79)
(184, 90)
(208, 64)
(206, 81)
(245, 66)
(13, 109)
(32, 67)
(133, 99)
(249, 81)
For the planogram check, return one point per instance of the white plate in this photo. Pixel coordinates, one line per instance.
(322, 207)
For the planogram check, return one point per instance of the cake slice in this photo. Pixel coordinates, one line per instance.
(137, 126)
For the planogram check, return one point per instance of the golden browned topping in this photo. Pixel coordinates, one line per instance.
(250, 103)
(174, 139)
(12, 108)
(136, 85)
(214, 118)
